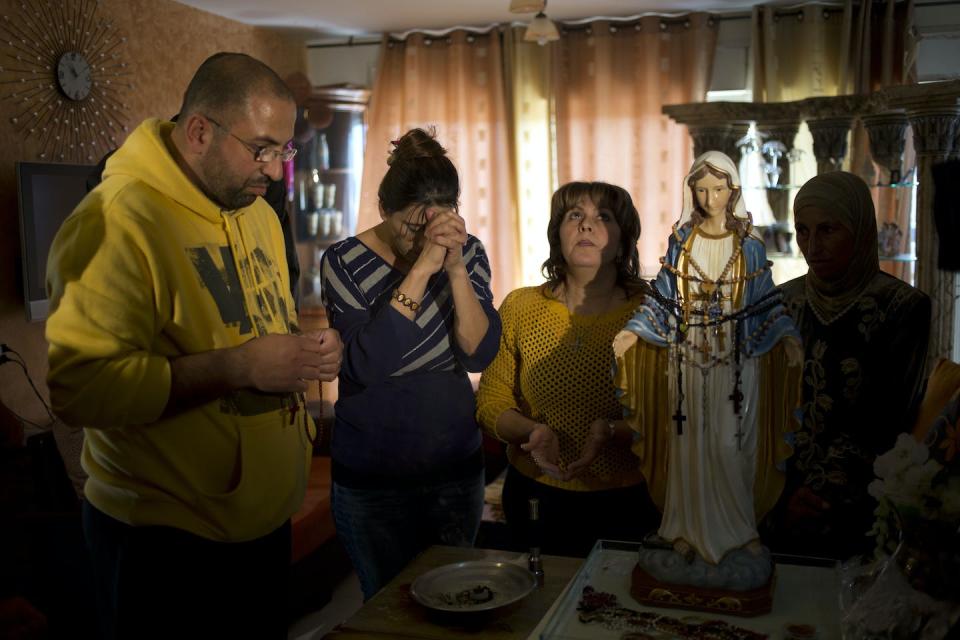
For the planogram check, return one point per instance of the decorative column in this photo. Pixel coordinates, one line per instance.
(713, 125)
(830, 141)
(933, 111)
(722, 137)
(829, 119)
(779, 122)
(888, 136)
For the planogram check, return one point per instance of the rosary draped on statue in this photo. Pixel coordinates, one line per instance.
(702, 371)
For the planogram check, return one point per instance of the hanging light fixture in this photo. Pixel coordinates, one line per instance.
(541, 30)
(526, 6)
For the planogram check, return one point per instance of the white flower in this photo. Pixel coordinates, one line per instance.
(918, 478)
(919, 452)
(876, 489)
(905, 453)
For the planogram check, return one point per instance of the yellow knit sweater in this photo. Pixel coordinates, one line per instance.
(556, 368)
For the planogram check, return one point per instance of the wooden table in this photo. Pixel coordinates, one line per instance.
(393, 613)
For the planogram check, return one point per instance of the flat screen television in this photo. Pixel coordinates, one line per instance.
(47, 194)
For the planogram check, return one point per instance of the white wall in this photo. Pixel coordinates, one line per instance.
(938, 53)
(730, 63)
(354, 64)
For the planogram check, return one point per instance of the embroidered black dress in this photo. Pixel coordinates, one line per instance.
(862, 379)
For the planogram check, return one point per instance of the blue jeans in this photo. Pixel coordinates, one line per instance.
(384, 529)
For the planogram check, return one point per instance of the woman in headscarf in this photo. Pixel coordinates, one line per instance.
(703, 373)
(865, 338)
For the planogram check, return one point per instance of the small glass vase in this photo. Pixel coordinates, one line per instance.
(929, 555)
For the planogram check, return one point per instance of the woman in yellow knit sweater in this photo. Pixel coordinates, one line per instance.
(549, 393)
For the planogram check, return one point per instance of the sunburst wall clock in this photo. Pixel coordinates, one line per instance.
(61, 66)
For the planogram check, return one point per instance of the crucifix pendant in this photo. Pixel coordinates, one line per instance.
(705, 348)
(679, 418)
(737, 397)
(739, 436)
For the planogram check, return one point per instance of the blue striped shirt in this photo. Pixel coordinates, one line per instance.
(405, 406)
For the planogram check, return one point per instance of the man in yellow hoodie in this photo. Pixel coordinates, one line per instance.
(173, 341)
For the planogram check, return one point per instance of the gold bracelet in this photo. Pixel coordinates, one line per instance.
(405, 300)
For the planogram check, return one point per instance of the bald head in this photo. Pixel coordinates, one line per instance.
(225, 82)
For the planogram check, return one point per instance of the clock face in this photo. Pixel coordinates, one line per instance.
(69, 84)
(74, 76)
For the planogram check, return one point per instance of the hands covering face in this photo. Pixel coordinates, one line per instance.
(445, 236)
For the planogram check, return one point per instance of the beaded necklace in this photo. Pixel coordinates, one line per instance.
(825, 322)
(713, 317)
(708, 285)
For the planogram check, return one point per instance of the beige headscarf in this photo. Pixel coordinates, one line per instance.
(847, 198)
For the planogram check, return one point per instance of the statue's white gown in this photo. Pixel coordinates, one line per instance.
(709, 497)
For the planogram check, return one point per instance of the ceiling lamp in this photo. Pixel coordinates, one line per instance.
(526, 6)
(541, 30)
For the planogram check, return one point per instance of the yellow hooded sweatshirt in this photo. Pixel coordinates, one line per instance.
(148, 268)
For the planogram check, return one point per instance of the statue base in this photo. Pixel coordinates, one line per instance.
(651, 592)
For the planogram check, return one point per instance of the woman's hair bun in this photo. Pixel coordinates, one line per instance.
(415, 143)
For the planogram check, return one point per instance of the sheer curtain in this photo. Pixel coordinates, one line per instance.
(528, 70)
(610, 81)
(455, 84)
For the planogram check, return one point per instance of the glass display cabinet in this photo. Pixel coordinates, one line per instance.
(325, 197)
(326, 180)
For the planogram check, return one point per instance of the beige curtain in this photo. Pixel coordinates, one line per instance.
(818, 50)
(530, 103)
(797, 52)
(455, 84)
(610, 82)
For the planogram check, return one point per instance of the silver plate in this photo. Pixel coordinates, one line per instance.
(444, 588)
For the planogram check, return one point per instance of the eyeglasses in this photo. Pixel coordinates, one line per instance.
(260, 153)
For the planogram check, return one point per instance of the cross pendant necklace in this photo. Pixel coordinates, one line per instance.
(679, 418)
(705, 348)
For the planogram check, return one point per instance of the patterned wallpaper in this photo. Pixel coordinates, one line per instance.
(166, 41)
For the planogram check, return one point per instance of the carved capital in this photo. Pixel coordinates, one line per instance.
(829, 141)
(717, 137)
(888, 136)
(785, 132)
(934, 130)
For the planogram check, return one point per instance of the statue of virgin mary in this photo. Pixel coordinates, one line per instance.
(708, 370)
